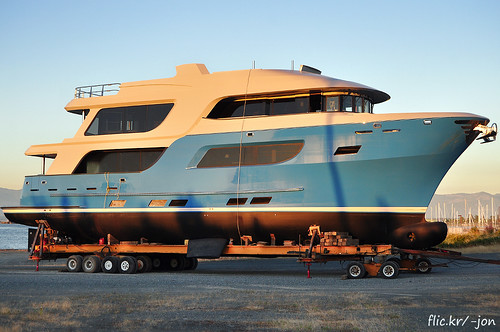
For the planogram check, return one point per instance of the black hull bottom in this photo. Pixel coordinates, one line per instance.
(174, 228)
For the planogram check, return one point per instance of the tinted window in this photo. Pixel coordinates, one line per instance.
(290, 106)
(367, 106)
(333, 104)
(315, 102)
(346, 103)
(250, 155)
(279, 106)
(252, 108)
(358, 104)
(118, 161)
(130, 119)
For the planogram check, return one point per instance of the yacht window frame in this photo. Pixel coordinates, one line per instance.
(250, 155)
(96, 160)
(128, 119)
(231, 107)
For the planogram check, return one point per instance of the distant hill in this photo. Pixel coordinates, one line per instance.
(447, 206)
(8, 197)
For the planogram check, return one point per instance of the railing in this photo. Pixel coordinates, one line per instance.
(97, 90)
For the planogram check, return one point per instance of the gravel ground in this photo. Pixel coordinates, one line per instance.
(247, 295)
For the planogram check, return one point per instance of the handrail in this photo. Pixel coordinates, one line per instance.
(97, 90)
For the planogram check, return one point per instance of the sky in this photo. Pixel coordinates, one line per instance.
(429, 56)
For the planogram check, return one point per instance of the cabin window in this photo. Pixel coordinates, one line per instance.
(237, 201)
(117, 203)
(232, 108)
(250, 155)
(128, 119)
(333, 104)
(346, 103)
(134, 160)
(178, 202)
(261, 200)
(367, 107)
(347, 150)
(349, 103)
(157, 203)
(314, 102)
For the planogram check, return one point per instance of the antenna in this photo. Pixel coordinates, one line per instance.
(253, 64)
(293, 64)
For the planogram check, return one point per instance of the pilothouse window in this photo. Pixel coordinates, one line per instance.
(294, 104)
(348, 103)
(128, 119)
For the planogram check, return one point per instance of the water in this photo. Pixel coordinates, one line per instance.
(13, 236)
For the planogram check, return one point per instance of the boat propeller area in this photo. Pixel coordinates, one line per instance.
(420, 235)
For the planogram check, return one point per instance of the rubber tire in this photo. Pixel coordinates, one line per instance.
(157, 263)
(395, 260)
(356, 270)
(389, 270)
(110, 264)
(128, 265)
(191, 263)
(176, 262)
(74, 263)
(91, 264)
(144, 264)
(425, 265)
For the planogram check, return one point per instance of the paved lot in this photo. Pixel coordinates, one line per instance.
(247, 295)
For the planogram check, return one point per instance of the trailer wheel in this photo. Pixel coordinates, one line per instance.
(110, 264)
(389, 270)
(91, 264)
(128, 265)
(191, 263)
(74, 263)
(157, 263)
(395, 260)
(144, 264)
(423, 265)
(356, 270)
(176, 262)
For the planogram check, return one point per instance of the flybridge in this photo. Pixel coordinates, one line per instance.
(97, 90)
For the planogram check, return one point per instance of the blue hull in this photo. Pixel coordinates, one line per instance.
(384, 185)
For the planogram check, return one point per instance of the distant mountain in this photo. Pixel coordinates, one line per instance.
(447, 206)
(8, 197)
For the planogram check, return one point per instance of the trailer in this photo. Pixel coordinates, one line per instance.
(110, 255)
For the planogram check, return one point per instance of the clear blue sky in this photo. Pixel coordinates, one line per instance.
(428, 55)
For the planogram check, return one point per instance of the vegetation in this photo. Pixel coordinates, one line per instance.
(472, 238)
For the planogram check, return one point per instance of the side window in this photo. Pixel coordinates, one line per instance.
(312, 103)
(252, 108)
(358, 104)
(367, 107)
(290, 106)
(347, 104)
(118, 161)
(333, 104)
(131, 119)
(264, 154)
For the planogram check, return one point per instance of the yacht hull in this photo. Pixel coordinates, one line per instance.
(375, 192)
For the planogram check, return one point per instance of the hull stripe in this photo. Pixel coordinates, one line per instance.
(369, 209)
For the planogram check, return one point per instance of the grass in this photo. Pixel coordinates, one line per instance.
(238, 310)
(472, 238)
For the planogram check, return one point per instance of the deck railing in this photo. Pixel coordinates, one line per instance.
(97, 90)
